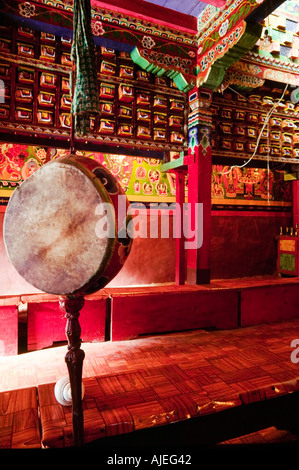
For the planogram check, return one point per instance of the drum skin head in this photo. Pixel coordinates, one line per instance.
(50, 230)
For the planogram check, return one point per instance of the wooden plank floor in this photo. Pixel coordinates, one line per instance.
(260, 353)
(270, 435)
(19, 419)
(151, 381)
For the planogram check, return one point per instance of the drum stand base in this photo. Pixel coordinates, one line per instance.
(71, 306)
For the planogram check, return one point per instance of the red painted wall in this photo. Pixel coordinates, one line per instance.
(241, 246)
(151, 261)
(9, 329)
(11, 283)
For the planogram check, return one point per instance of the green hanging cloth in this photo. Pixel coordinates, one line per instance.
(85, 99)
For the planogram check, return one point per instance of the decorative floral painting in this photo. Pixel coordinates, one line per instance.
(249, 184)
(143, 180)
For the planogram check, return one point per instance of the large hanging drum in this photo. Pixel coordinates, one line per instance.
(65, 227)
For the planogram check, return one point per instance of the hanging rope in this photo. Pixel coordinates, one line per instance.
(85, 96)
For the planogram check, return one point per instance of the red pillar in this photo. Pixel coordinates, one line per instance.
(199, 185)
(295, 202)
(180, 261)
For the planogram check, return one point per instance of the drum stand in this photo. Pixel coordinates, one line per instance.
(74, 357)
(71, 306)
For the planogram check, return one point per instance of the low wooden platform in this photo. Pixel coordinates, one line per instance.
(130, 312)
(196, 388)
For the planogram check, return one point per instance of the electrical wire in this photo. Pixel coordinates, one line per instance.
(259, 136)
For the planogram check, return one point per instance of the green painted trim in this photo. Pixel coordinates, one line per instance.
(181, 82)
(173, 165)
(245, 44)
(138, 59)
(176, 76)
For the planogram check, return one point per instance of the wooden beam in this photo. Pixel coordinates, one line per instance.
(215, 3)
(148, 11)
(87, 145)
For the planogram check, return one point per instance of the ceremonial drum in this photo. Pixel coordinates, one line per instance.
(65, 227)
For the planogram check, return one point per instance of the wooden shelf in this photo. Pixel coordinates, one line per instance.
(245, 156)
(238, 123)
(25, 49)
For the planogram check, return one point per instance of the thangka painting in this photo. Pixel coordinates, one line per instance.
(250, 186)
(143, 180)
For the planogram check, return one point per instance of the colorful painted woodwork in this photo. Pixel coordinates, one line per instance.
(275, 55)
(38, 95)
(242, 128)
(145, 106)
(219, 30)
(199, 180)
(170, 45)
(128, 125)
(287, 251)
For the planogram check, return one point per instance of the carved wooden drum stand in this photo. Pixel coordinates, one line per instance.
(65, 233)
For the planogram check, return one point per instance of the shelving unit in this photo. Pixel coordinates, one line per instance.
(238, 122)
(138, 109)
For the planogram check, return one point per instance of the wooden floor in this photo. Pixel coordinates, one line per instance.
(144, 383)
(259, 353)
(267, 436)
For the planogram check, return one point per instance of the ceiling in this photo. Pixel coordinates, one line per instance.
(190, 7)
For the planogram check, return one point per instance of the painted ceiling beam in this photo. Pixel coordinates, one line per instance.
(247, 41)
(164, 47)
(221, 30)
(263, 10)
(265, 62)
(149, 12)
(173, 50)
(215, 3)
(176, 76)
